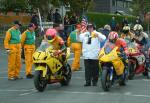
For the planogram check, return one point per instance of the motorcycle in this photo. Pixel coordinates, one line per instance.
(137, 61)
(112, 67)
(49, 68)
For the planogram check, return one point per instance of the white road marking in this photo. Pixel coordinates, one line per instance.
(16, 90)
(102, 93)
(28, 93)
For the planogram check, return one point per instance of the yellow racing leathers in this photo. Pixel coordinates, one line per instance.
(28, 43)
(77, 49)
(13, 45)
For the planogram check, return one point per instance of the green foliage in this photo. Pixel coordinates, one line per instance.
(78, 6)
(101, 19)
(140, 6)
(14, 5)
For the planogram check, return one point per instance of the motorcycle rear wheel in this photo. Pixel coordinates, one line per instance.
(39, 82)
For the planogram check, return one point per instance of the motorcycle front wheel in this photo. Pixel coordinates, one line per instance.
(105, 79)
(39, 82)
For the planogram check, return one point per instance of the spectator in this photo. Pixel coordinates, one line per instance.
(57, 17)
(66, 24)
(125, 22)
(50, 15)
(35, 19)
(113, 24)
(62, 33)
(73, 19)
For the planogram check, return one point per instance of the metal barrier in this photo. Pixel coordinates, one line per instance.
(47, 25)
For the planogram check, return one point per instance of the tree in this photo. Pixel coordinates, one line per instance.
(140, 7)
(14, 5)
(79, 6)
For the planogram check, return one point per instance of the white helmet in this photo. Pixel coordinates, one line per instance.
(138, 27)
(126, 29)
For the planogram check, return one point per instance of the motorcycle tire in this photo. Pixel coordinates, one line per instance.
(131, 71)
(145, 73)
(104, 79)
(39, 82)
(67, 76)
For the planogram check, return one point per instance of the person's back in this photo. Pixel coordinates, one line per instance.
(34, 20)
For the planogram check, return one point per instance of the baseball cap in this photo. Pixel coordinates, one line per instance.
(17, 22)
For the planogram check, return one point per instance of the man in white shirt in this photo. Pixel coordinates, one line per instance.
(90, 49)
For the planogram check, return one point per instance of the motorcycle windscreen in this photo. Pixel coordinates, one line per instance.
(107, 50)
(132, 48)
(109, 47)
(44, 46)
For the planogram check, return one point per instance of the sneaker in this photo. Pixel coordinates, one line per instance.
(29, 76)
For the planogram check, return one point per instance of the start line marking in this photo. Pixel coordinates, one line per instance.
(33, 91)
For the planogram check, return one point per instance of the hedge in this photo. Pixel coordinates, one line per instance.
(101, 19)
(9, 19)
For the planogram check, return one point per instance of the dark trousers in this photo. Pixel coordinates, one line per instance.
(91, 70)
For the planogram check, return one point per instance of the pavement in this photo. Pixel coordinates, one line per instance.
(23, 91)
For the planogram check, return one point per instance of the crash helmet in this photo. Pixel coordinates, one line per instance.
(138, 29)
(126, 29)
(51, 35)
(113, 36)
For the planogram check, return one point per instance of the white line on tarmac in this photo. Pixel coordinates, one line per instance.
(28, 93)
(103, 93)
(17, 90)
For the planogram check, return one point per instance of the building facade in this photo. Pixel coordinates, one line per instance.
(111, 6)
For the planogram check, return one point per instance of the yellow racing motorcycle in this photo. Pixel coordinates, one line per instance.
(49, 68)
(112, 67)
